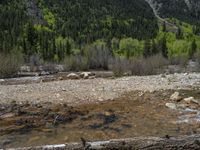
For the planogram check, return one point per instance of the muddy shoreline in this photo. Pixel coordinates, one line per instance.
(131, 115)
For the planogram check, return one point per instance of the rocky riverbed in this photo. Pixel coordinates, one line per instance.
(94, 90)
(55, 112)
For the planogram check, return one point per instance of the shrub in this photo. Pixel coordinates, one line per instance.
(179, 60)
(10, 64)
(119, 66)
(76, 63)
(143, 66)
(148, 66)
(97, 55)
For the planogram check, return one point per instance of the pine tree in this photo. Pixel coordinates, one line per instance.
(164, 28)
(32, 38)
(179, 33)
(154, 48)
(147, 48)
(163, 47)
(193, 49)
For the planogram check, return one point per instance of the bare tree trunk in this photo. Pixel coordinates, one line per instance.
(145, 143)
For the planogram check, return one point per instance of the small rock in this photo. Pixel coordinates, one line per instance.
(44, 73)
(176, 97)
(171, 105)
(37, 74)
(190, 100)
(60, 78)
(59, 68)
(72, 76)
(163, 76)
(57, 95)
(8, 115)
(64, 90)
(107, 113)
(100, 99)
(25, 69)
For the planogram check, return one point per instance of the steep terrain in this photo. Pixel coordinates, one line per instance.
(81, 20)
(54, 29)
(184, 10)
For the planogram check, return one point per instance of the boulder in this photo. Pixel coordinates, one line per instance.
(171, 105)
(73, 76)
(191, 100)
(176, 97)
(92, 77)
(85, 75)
(2, 80)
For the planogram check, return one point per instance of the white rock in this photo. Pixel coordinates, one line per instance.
(2, 80)
(43, 73)
(57, 95)
(60, 78)
(191, 99)
(175, 97)
(25, 69)
(92, 77)
(59, 68)
(171, 105)
(72, 76)
(85, 75)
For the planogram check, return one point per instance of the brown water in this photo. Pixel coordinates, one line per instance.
(128, 116)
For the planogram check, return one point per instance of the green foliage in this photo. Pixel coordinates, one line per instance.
(179, 34)
(179, 48)
(93, 29)
(130, 48)
(52, 28)
(63, 46)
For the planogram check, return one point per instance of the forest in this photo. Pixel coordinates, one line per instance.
(73, 31)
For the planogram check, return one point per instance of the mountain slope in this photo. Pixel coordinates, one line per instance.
(184, 10)
(54, 26)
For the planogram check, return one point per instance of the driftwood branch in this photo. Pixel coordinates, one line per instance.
(145, 143)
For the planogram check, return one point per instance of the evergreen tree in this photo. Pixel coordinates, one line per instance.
(154, 48)
(163, 47)
(147, 48)
(164, 28)
(32, 38)
(193, 49)
(179, 33)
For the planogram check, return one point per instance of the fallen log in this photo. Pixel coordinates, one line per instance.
(145, 143)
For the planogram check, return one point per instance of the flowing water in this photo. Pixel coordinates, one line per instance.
(133, 114)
